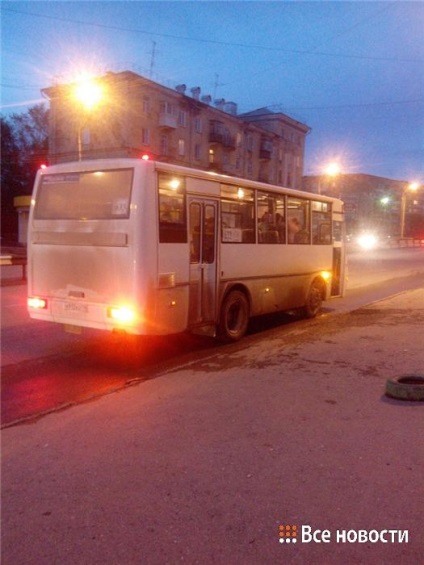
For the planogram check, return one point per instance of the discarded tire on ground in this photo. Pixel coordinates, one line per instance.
(406, 387)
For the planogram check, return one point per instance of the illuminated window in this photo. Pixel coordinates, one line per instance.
(181, 147)
(298, 221)
(172, 216)
(321, 223)
(271, 218)
(237, 214)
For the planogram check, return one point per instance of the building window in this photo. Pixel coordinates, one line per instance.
(146, 105)
(280, 177)
(198, 151)
(211, 156)
(198, 125)
(182, 118)
(164, 143)
(289, 179)
(166, 108)
(85, 136)
(181, 147)
(145, 136)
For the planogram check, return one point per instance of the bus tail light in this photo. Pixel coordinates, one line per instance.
(37, 303)
(121, 314)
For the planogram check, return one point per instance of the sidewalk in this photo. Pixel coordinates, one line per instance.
(202, 465)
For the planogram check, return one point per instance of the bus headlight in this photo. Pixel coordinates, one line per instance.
(121, 314)
(326, 275)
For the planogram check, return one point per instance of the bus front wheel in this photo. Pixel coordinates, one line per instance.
(314, 300)
(234, 317)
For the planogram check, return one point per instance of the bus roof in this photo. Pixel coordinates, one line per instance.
(119, 162)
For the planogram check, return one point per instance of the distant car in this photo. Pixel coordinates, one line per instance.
(367, 241)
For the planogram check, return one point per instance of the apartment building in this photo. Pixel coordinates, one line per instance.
(137, 116)
(373, 203)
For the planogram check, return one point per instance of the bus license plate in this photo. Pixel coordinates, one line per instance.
(75, 308)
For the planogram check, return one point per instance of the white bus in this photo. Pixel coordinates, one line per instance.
(151, 248)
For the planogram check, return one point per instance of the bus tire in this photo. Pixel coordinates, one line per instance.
(314, 300)
(234, 317)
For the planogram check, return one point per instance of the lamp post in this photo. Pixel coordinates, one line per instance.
(332, 170)
(88, 94)
(412, 187)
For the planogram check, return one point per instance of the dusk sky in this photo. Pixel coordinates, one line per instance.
(352, 71)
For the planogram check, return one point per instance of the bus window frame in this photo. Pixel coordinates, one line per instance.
(172, 232)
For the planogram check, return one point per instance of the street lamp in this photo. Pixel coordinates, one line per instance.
(88, 94)
(412, 187)
(332, 170)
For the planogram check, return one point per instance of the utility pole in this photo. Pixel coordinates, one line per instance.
(152, 60)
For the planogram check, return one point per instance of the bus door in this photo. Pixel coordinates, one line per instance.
(338, 280)
(203, 260)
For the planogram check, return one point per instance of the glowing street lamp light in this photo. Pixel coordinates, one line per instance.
(88, 94)
(332, 169)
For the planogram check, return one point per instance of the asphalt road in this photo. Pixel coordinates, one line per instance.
(205, 464)
(44, 369)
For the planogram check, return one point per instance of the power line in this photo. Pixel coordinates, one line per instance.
(334, 107)
(216, 42)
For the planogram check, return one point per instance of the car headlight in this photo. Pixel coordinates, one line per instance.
(367, 241)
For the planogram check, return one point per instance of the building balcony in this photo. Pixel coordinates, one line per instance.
(224, 139)
(167, 121)
(265, 149)
(219, 134)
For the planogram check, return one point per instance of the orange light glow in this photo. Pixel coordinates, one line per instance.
(88, 93)
(122, 314)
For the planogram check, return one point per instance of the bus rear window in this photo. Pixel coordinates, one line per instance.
(94, 195)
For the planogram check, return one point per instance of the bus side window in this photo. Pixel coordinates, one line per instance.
(298, 221)
(172, 216)
(321, 223)
(271, 214)
(237, 214)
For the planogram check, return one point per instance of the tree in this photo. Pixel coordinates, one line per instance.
(24, 147)
(11, 181)
(31, 136)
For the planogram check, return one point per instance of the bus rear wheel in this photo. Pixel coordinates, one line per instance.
(234, 317)
(314, 300)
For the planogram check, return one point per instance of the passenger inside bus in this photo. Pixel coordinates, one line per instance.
(267, 229)
(280, 226)
(294, 229)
